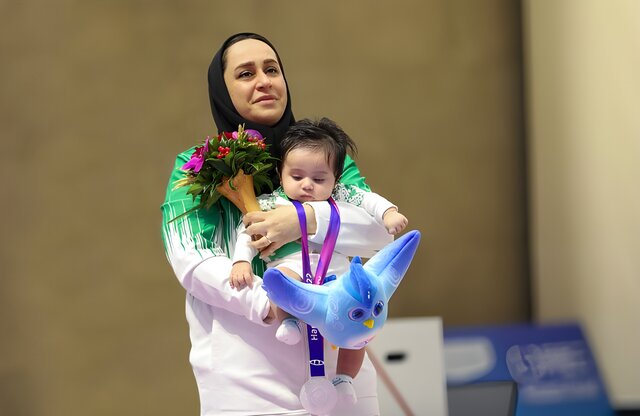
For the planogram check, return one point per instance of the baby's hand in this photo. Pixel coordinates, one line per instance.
(394, 221)
(241, 275)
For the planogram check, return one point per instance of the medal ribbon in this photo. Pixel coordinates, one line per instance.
(316, 352)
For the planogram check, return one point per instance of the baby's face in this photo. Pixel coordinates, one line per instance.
(307, 176)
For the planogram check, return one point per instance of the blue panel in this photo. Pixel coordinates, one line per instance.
(553, 366)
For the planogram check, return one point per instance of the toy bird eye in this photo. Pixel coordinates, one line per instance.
(377, 310)
(356, 314)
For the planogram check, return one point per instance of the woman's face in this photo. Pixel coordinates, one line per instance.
(255, 82)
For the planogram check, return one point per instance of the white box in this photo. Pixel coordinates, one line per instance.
(411, 353)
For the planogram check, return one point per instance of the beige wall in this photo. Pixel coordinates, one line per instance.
(583, 64)
(98, 97)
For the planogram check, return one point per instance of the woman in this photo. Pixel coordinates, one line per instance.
(239, 365)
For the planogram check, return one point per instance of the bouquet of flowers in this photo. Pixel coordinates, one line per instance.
(234, 165)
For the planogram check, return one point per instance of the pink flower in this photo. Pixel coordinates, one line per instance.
(251, 135)
(197, 158)
(254, 133)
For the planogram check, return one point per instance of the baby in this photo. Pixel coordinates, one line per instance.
(312, 163)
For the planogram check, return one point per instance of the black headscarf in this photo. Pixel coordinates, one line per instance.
(225, 114)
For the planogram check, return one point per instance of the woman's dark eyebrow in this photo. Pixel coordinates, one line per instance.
(245, 64)
(252, 63)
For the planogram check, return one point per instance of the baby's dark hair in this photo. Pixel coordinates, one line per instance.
(323, 135)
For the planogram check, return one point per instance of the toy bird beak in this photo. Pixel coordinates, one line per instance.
(368, 323)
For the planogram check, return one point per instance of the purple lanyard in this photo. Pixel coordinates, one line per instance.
(316, 352)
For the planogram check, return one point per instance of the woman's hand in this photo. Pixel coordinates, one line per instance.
(277, 228)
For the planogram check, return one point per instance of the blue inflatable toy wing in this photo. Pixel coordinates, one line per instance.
(391, 263)
(302, 300)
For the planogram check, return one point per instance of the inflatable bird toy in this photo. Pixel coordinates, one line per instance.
(349, 310)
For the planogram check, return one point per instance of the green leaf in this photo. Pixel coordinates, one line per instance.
(221, 166)
(194, 189)
(213, 198)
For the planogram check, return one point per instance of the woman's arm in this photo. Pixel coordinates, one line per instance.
(351, 175)
(198, 250)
